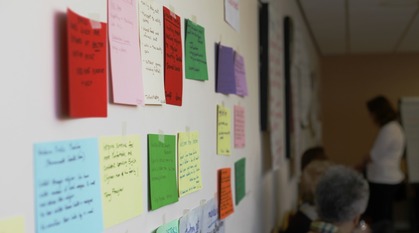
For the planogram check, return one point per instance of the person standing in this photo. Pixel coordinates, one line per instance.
(383, 162)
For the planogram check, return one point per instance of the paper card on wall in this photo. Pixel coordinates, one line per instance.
(239, 127)
(210, 216)
(226, 82)
(86, 66)
(189, 162)
(12, 225)
(150, 18)
(240, 179)
(195, 52)
(223, 131)
(172, 58)
(210, 222)
(240, 75)
(232, 13)
(127, 84)
(219, 226)
(224, 191)
(162, 170)
(171, 227)
(120, 162)
(67, 187)
(192, 221)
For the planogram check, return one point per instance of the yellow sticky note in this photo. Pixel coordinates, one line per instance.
(120, 166)
(12, 225)
(223, 131)
(189, 163)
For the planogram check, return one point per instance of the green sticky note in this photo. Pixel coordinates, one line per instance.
(171, 227)
(195, 53)
(162, 170)
(240, 179)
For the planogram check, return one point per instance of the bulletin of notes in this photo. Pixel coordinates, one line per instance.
(173, 74)
(88, 185)
(189, 162)
(125, 52)
(162, 170)
(86, 66)
(225, 194)
(276, 103)
(151, 39)
(67, 187)
(195, 52)
(223, 131)
(120, 165)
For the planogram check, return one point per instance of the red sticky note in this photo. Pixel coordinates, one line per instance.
(87, 68)
(224, 191)
(172, 58)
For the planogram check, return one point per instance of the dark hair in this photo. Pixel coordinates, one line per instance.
(314, 153)
(382, 110)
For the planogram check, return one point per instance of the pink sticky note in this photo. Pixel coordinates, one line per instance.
(240, 75)
(125, 59)
(239, 127)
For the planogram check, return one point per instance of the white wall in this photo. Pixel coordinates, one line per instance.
(32, 45)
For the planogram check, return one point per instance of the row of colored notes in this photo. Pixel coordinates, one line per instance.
(88, 184)
(91, 184)
(224, 129)
(202, 219)
(226, 206)
(70, 200)
(165, 187)
(209, 218)
(231, 72)
(146, 58)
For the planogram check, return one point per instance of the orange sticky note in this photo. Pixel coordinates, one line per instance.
(224, 191)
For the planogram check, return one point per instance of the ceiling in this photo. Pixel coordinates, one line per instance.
(363, 26)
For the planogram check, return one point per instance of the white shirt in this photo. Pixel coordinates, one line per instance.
(386, 154)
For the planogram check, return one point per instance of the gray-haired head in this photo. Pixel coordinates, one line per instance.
(341, 195)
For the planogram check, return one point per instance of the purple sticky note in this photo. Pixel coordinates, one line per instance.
(240, 75)
(226, 82)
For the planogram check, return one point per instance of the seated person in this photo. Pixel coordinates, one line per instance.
(300, 222)
(311, 154)
(341, 197)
